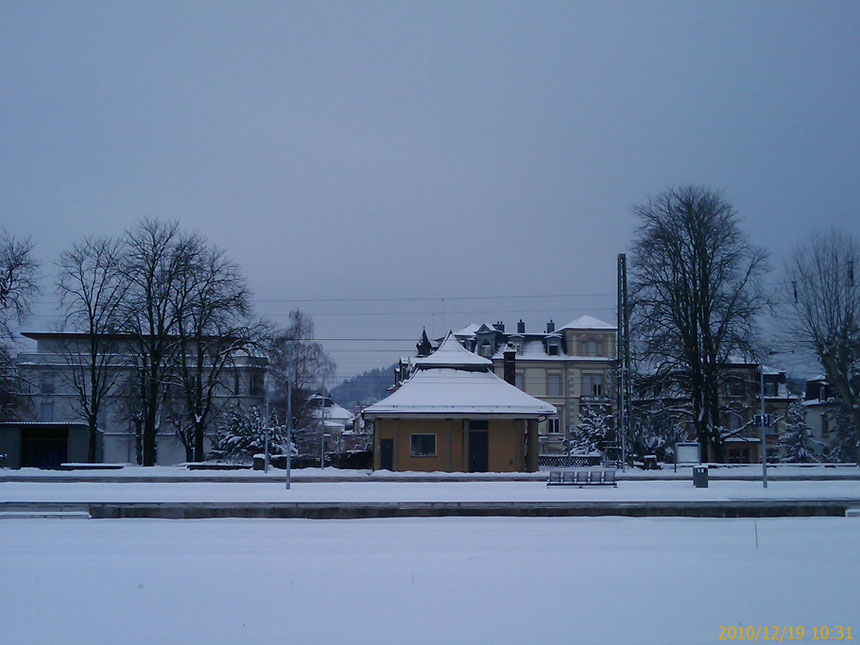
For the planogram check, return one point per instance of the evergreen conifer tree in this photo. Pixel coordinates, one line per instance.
(800, 446)
(593, 428)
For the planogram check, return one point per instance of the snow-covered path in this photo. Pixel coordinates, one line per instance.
(421, 492)
(452, 580)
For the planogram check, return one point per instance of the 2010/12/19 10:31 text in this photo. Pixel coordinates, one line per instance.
(782, 633)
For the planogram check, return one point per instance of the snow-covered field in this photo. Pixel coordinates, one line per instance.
(381, 491)
(451, 580)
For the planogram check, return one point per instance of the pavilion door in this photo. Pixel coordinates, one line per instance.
(479, 451)
(386, 454)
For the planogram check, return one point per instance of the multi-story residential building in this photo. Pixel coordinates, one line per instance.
(568, 367)
(821, 402)
(337, 421)
(740, 404)
(51, 405)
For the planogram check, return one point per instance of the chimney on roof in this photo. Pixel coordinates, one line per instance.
(521, 327)
(499, 326)
(550, 326)
(510, 356)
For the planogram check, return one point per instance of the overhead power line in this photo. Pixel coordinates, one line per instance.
(412, 298)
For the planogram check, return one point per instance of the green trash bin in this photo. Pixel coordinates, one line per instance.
(700, 476)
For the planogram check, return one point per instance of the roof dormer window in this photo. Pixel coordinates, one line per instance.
(517, 341)
(552, 346)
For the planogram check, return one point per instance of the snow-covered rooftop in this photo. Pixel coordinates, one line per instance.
(333, 411)
(452, 354)
(587, 322)
(451, 391)
(468, 330)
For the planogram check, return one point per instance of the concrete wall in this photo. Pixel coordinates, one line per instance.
(121, 448)
(78, 445)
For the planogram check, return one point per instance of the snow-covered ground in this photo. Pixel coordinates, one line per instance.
(382, 491)
(451, 580)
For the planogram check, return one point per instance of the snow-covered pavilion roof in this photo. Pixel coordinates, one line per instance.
(452, 354)
(452, 392)
(587, 322)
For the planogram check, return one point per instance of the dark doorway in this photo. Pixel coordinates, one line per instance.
(479, 451)
(44, 447)
(386, 454)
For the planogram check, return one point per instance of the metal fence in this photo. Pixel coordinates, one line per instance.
(568, 461)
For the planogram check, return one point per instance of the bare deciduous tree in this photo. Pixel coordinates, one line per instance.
(18, 283)
(823, 299)
(212, 305)
(92, 290)
(18, 286)
(696, 294)
(154, 259)
(297, 362)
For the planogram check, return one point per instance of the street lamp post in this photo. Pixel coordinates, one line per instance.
(322, 427)
(289, 418)
(289, 425)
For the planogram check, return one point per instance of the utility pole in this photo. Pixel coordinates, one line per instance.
(266, 433)
(623, 352)
(763, 430)
(322, 425)
(289, 417)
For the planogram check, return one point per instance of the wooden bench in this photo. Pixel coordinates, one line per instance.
(582, 478)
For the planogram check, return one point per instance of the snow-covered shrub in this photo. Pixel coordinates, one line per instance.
(655, 435)
(244, 434)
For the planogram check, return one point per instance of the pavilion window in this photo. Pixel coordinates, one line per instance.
(423, 445)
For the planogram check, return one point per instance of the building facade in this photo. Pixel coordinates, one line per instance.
(569, 367)
(740, 403)
(50, 397)
(821, 402)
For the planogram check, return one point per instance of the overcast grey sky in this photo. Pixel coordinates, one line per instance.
(386, 150)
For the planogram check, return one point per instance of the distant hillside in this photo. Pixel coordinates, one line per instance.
(364, 389)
